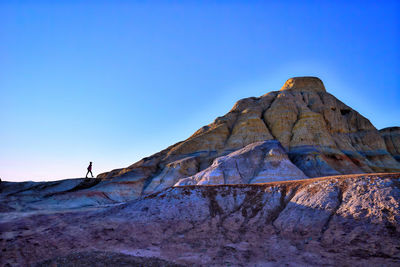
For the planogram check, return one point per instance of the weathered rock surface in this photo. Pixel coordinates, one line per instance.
(348, 220)
(65, 194)
(321, 135)
(260, 162)
(391, 136)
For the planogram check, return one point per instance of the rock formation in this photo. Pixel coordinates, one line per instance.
(260, 162)
(351, 220)
(167, 209)
(320, 134)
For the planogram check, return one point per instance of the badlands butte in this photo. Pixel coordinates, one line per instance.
(294, 177)
(317, 133)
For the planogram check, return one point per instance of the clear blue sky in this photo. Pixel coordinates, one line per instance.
(112, 82)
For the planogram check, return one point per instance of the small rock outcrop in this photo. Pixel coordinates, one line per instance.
(259, 162)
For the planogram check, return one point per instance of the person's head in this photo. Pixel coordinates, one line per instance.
(90, 163)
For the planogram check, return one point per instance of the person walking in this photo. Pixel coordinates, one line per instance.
(89, 169)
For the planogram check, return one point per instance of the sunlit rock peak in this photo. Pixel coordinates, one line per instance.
(304, 84)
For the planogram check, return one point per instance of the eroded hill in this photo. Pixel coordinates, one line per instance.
(320, 134)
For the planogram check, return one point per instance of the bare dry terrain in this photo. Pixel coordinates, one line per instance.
(341, 220)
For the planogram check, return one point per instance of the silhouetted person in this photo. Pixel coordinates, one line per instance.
(89, 169)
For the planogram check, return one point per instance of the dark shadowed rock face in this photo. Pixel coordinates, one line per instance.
(336, 221)
(321, 135)
(391, 136)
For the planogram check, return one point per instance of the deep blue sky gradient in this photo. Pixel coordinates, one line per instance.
(115, 81)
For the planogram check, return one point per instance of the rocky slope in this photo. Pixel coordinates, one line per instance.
(320, 134)
(257, 162)
(334, 221)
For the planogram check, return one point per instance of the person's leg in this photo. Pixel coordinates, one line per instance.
(91, 174)
(87, 173)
